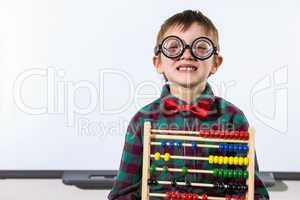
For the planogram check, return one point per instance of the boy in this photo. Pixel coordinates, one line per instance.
(186, 54)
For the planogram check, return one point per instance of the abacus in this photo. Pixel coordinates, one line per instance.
(242, 141)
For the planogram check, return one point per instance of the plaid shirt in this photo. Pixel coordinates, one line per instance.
(222, 116)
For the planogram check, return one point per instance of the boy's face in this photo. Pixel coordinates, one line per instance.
(177, 70)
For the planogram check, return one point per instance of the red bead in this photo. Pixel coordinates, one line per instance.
(235, 198)
(195, 196)
(190, 196)
(231, 134)
(242, 198)
(236, 135)
(204, 196)
(207, 134)
(168, 195)
(222, 134)
(184, 196)
(227, 198)
(246, 135)
(178, 196)
(174, 195)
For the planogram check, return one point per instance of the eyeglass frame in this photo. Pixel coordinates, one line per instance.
(158, 48)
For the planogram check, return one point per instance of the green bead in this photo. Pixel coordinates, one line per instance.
(152, 168)
(184, 171)
(216, 172)
(230, 173)
(245, 174)
(165, 169)
(235, 173)
(225, 173)
(220, 173)
(240, 173)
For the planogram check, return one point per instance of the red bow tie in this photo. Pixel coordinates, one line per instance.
(199, 109)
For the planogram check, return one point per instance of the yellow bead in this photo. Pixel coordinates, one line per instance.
(230, 160)
(211, 159)
(225, 160)
(157, 156)
(216, 159)
(236, 161)
(246, 161)
(241, 161)
(167, 157)
(220, 160)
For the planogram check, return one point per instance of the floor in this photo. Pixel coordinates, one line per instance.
(53, 189)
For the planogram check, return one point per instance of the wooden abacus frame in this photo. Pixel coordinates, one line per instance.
(150, 134)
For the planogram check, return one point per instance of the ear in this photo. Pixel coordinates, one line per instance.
(218, 61)
(156, 62)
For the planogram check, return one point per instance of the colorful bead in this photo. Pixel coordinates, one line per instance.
(204, 196)
(190, 196)
(195, 196)
(167, 157)
(225, 147)
(178, 144)
(245, 148)
(220, 173)
(168, 195)
(220, 160)
(184, 196)
(241, 161)
(225, 160)
(184, 171)
(230, 173)
(215, 172)
(240, 147)
(211, 159)
(216, 159)
(245, 174)
(236, 161)
(165, 169)
(230, 147)
(235, 174)
(221, 147)
(157, 156)
(246, 161)
(169, 144)
(230, 161)
(163, 144)
(152, 168)
(240, 173)
(235, 147)
(194, 145)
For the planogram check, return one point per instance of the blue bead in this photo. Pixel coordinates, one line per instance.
(245, 148)
(169, 144)
(163, 143)
(240, 147)
(235, 147)
(221, 147)
(230, 147)
(194, 145)
(177, 144)
(225, 147)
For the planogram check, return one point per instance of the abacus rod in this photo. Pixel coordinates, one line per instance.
(183, 157)
(189, 145)
(189, 170)
(195, 138)
(184, 184)
(199, 197)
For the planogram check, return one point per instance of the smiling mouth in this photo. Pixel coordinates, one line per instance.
(186, 68)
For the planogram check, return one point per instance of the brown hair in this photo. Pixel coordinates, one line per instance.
(184, 20)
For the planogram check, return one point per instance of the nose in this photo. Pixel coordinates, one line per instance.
(187, 55)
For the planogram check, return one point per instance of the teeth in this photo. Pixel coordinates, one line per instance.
(187, 68)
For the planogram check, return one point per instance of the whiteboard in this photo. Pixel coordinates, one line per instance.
(68, 91)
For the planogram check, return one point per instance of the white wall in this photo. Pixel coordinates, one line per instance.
(67, 92)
